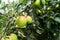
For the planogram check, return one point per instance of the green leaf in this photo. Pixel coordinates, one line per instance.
(39, 31)
(0, 1)
(21, 1)
(21, 33)
(1, 30)
(57, 19)
(48, 24)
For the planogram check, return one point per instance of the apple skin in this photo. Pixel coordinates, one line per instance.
(43, 2)
(29, 19)
(37, 3)
(3, 38)
(13, 37)
(21, 21)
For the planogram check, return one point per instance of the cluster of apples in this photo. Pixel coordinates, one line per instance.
(10, 37)
(22, 21)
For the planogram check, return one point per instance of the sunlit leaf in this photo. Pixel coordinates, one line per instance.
(57, 19)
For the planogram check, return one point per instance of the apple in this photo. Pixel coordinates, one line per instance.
(37, 3)
(21, 21)
(4, 38)
(29, 19)
(13, 37)
(43, 2)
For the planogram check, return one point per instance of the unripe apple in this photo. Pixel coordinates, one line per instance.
(37, 3)
(13, 37)
(29, 19)
(21, 21)
(43, 2)
(3, 38)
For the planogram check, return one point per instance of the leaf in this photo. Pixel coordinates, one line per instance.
(57, 19)
(4, 6)
(1, 30)
(39, 31)
(0, 1)
(1, 21)
(48, 24)
(22, 6)
(21, 1)
(21, 33)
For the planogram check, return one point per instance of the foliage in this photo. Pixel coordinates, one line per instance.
(46, 20)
